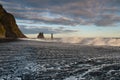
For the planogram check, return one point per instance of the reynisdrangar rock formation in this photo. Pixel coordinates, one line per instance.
(8, 26)
(40, 35)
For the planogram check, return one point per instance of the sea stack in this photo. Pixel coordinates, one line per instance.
(40, 35)
(51, 35)
(8, 26)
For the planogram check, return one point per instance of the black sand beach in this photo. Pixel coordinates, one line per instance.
(35, 60)
(3, 40)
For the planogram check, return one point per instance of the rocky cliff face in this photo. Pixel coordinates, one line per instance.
(8, 26)
(2, 31)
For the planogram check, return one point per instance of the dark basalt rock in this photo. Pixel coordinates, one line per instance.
(2, 31)
(8, 26)
(40, 35)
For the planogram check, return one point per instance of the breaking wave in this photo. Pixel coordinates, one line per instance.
(93, 41)
(84, 41)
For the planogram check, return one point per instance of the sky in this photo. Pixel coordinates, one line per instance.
(66, 18)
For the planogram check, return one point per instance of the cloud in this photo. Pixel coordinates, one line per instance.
(66, 12)
(108, 20)
(46, 30)
(48, 19)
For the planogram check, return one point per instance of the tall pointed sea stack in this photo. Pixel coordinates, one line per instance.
(8, 26)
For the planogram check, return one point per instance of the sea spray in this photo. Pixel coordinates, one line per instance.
(83, 41)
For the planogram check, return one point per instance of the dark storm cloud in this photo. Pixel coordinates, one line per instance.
(71, 12)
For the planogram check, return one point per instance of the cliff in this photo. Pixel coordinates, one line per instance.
(8, 26)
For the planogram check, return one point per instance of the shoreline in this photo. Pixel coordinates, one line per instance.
(78, 41)
(2, 40)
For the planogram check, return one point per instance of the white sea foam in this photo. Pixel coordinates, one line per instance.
(93, 41)
(84, 41)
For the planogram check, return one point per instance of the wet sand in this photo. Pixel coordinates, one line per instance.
(35, 60)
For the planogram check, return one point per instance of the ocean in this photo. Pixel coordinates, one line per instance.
(58, 60)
